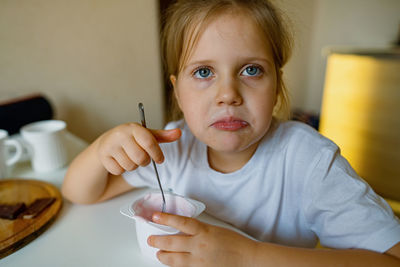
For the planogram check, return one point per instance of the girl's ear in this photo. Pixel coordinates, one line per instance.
(278, 86)
(172, 78)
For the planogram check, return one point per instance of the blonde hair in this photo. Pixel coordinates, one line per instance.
(185, 21)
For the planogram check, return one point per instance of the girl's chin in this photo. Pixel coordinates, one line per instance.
(229, 145)
(228, 141)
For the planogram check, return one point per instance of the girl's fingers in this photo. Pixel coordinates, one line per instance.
(173, 258)
(130, 145)
(135, 153)
(145, 139)
(175, 243)
(124, 161)
(164, 136)
(184, 224)
(112, 166)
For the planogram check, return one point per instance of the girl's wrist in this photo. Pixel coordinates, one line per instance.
(250, 252)
(95, 150)
(267, 254)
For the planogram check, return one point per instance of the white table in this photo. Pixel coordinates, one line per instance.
(83, 235)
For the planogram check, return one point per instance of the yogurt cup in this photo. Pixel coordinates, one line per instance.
(142, 209)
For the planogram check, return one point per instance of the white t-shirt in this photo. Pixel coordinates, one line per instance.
(295, 189)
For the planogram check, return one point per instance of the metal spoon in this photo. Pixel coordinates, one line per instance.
(143, 119)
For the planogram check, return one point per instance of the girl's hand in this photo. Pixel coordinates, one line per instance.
(203, 244)
(130, 145)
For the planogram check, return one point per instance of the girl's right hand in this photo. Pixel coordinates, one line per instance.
(130, 145)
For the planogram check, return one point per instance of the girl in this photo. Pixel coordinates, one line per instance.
(280, 182)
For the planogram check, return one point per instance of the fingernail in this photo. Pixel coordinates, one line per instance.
(156, 216)
(149, 241)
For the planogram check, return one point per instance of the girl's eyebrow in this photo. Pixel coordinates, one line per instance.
(269, 62)
(199, 62)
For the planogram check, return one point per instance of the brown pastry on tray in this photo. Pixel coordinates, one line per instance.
(20, 210)
(37, 207)
(11, 211)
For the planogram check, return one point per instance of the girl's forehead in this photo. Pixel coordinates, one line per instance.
(233, 30)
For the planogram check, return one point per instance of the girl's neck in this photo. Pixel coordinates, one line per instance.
(227, 162)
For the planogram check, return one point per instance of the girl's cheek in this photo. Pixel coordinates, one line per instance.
(204, 84)
(252, 82)
(258, 82)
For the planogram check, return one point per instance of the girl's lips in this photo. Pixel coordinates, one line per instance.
(229, 124)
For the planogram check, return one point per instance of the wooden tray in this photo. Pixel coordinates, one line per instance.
(15, 234)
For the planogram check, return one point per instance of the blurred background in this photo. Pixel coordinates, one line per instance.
(95, 59)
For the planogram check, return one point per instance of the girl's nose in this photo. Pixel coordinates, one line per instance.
(228, 93)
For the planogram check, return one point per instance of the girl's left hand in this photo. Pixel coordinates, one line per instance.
(201, 245)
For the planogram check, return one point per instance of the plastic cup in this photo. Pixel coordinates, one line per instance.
(142, 209)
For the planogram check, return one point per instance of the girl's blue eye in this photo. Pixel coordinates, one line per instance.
(203, 73)
(251, 71)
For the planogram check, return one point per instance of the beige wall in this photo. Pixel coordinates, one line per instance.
(300, 18)
(321, 23)
(356, 23)
(94, 59)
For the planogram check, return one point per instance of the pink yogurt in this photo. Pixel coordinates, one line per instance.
(152, 202)
(142, 210)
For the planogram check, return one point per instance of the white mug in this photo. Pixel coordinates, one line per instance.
(5, 159)
(46, 144)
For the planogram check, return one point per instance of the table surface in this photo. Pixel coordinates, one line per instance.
(83, 235)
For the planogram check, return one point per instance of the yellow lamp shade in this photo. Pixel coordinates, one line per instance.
(361, 114)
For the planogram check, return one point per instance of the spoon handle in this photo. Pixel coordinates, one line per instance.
(143, 120)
